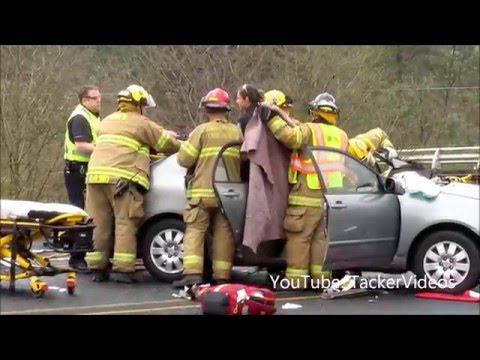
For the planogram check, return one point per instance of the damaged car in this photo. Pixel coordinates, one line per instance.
(378, 221)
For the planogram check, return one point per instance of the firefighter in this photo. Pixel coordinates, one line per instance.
(198, 155)
(363, 145)
(80, 137)
(304, 222)
(118, 177)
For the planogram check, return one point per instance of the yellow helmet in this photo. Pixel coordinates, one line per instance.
(137, 95)
(276, 97)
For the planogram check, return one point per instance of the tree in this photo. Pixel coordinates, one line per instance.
(36, 96)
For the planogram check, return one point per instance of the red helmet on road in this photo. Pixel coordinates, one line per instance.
(216, 99)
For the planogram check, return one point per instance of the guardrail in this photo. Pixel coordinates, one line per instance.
(437, 157)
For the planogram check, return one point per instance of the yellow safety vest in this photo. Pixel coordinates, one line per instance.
(330, 164)
(71, 152)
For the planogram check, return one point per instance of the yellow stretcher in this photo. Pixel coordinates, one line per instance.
(63, 228)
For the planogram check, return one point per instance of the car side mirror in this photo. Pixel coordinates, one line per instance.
(393, 186)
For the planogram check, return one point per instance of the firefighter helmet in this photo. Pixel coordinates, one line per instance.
(276, 97)
(137, 95)
(324, 106)
(216, 99)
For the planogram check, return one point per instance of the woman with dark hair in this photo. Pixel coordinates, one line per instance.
(248, 99)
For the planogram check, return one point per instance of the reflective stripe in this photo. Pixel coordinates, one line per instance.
(200, 193)
(164, 138)
(96, 256)
(192, 260)
(124, 257)
(212, 151)
(96, 174)
(190, 149)
(298, 135)
(317, 271)
(234, 152)
(296, 273)
(221, 265)
(304, 201)
(125, 141)
(307, 167)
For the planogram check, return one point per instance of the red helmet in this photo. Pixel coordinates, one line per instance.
(216, 99)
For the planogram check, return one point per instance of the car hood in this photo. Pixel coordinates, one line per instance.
(461, 189)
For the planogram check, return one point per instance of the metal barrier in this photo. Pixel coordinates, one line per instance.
(468, 156)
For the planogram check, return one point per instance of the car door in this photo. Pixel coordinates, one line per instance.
(363, 220)
(231, 192)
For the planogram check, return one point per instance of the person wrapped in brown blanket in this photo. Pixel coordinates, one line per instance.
(268, 136)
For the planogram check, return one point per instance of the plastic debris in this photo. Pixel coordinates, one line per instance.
(290, 306)
(184, 294)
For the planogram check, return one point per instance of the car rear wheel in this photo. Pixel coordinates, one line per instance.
(449, 261)
(162, 249)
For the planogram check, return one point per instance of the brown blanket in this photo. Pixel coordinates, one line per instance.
(268, 184)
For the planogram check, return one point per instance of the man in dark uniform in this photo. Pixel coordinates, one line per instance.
(80, 136)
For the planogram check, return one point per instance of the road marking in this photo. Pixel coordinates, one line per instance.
(132, 311)
(144, 303)
(33, 311)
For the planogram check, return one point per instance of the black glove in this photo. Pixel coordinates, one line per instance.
(264, 113)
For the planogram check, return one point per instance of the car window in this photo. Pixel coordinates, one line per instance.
(228, 165)
(342, 174)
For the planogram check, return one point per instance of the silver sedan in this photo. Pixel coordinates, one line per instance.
(375, 222)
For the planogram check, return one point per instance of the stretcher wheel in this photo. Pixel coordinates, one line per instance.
(71, 285)
(39, 294)
(38, 288)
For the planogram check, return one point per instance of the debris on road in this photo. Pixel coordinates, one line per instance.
(184, 294)
(290, 306)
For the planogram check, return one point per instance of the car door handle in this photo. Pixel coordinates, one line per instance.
(338, 205)
(230, 193)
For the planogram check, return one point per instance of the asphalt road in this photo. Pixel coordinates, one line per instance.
(151, 297)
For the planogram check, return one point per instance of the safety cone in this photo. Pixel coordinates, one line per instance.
(467, 296)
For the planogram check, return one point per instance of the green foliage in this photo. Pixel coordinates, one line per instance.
(421, 95)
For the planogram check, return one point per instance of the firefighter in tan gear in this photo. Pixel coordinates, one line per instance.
(304, 222)
(198, 155)
(363, 145)
(117, 178)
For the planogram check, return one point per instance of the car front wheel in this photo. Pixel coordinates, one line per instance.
(448, 261)
(162, 249)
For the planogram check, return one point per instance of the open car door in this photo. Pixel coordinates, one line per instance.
(362, 219)
(231, 192)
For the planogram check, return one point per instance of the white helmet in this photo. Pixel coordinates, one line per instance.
(137, 95)
(324, 100)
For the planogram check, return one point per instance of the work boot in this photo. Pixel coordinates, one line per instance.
(100, 276)
(188, 280)
(124, 278)
(79, 264)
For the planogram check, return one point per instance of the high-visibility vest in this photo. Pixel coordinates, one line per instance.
(71, 152)
(330, 163)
